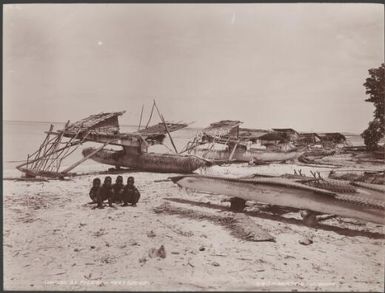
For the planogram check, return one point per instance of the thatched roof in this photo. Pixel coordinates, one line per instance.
(159, 128)
(221, 128)
(285, 130)
(250, 134)
(102, 122)
(309, 135)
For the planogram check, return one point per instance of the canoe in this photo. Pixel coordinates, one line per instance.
(247, 156)
(151, 162)
(291, 193)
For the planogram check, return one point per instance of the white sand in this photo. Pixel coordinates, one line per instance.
(53, 240)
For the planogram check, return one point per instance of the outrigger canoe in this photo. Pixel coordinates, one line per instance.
(150, 162)
(247, 156)
(359, 203)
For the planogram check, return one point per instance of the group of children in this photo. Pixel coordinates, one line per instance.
(114, 193)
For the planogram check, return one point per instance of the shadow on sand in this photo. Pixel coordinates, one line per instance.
(275, 213)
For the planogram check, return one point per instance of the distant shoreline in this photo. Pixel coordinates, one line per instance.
(132, 125)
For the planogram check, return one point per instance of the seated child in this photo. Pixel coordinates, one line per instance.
(105, 192)
(94, 189)
(130, 193)
(117, 189)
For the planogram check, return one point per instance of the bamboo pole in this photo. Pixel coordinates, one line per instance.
(54, 147)
(152, 110)
(37, 159)
(165, 126)
(41, 146)
(66, 150)
(68, 153)
(141, 115)
(35, 152)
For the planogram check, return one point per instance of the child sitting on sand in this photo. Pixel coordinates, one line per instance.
(130, 193)
(117, 189)
(94, 189)
(105, 192)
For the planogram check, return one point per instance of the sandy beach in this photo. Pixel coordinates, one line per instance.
(54, 240)
(279, 108)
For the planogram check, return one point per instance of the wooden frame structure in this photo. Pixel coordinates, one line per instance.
(102, 128)
(224, 132)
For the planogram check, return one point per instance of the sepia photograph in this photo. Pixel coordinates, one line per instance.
(193, 147)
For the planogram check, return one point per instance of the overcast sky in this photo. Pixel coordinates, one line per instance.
(268, 65)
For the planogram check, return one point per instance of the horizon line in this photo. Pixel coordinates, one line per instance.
(310, 131)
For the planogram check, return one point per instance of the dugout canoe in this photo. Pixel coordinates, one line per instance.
(150, 162)
(247, 156)
(292, 193)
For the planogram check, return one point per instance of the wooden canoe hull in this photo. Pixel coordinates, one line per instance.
(151, 162)
(286, 193)
(247, 156)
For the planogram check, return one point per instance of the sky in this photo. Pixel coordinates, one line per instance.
(268, 65)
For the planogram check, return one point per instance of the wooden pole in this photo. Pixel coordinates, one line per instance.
(54, 144)
(54, 147)
(67, 153)
(85, 158)
(165, 126)
(152, 110)
(64, 151)
(40, 148)
(233, 151)
(37, 159)
(141, 114)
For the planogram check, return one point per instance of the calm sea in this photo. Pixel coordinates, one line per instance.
(21, 138)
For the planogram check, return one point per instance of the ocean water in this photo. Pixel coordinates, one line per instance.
(21, 138)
